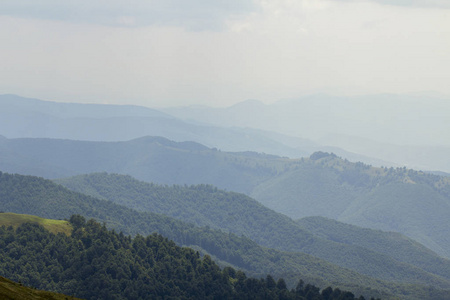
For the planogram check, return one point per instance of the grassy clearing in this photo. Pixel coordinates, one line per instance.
(15, 291)
(54, 226)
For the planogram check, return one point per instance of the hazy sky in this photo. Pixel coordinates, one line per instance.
(179, 52)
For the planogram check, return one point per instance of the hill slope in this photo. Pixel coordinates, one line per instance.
(33, 195)
(151, 159)
(241, 215)
(10, 290)
(393, 244)
(19, 192)
(413, 203)
(322, 185)
(95, 263)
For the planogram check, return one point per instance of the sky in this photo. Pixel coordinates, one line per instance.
(161, 53)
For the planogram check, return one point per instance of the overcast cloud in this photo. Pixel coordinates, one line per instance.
(193, 14)
(161, 53)
(411, 3)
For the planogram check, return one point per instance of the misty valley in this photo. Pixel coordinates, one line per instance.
(127, 202)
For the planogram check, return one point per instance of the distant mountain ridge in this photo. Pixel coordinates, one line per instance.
(383, 117)
(293, 128)
(401, 130)
(32, 118)
(16, 104)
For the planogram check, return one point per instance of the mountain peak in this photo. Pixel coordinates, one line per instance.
(319, 154)
(248, 104)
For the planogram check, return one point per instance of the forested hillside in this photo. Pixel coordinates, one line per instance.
(27, 194)
(208, 206)
(393, 244)
(33, 195)
(94, 263)
(414, 203)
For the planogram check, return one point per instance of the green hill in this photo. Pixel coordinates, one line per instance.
(95, 263)
(208, 206)
(33, 195)
(413, 203)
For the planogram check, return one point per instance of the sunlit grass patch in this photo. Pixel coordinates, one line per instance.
(54, 226)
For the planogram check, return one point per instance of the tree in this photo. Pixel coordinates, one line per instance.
(77, 221)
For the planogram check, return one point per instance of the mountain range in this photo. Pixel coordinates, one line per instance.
(243, 186)
(414, 203)
(398, 130)
(33, 118)
(241, 215)
(27, 194)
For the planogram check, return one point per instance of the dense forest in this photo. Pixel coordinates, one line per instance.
(33, 195)
(96, 263)
(206, 205)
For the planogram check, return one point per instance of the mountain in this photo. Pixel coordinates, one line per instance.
(413, 203)
(416, 204)
(408, 130)
(33, 195)
(37, 196)
(16, 106)
(32, 118)
(95, 263)
(399, 126)
(208, 206)
(421, 157)
(153, 159)
(407, 119)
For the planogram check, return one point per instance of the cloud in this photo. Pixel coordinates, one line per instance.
(411, 3)
(266, 50)
(194, 15)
